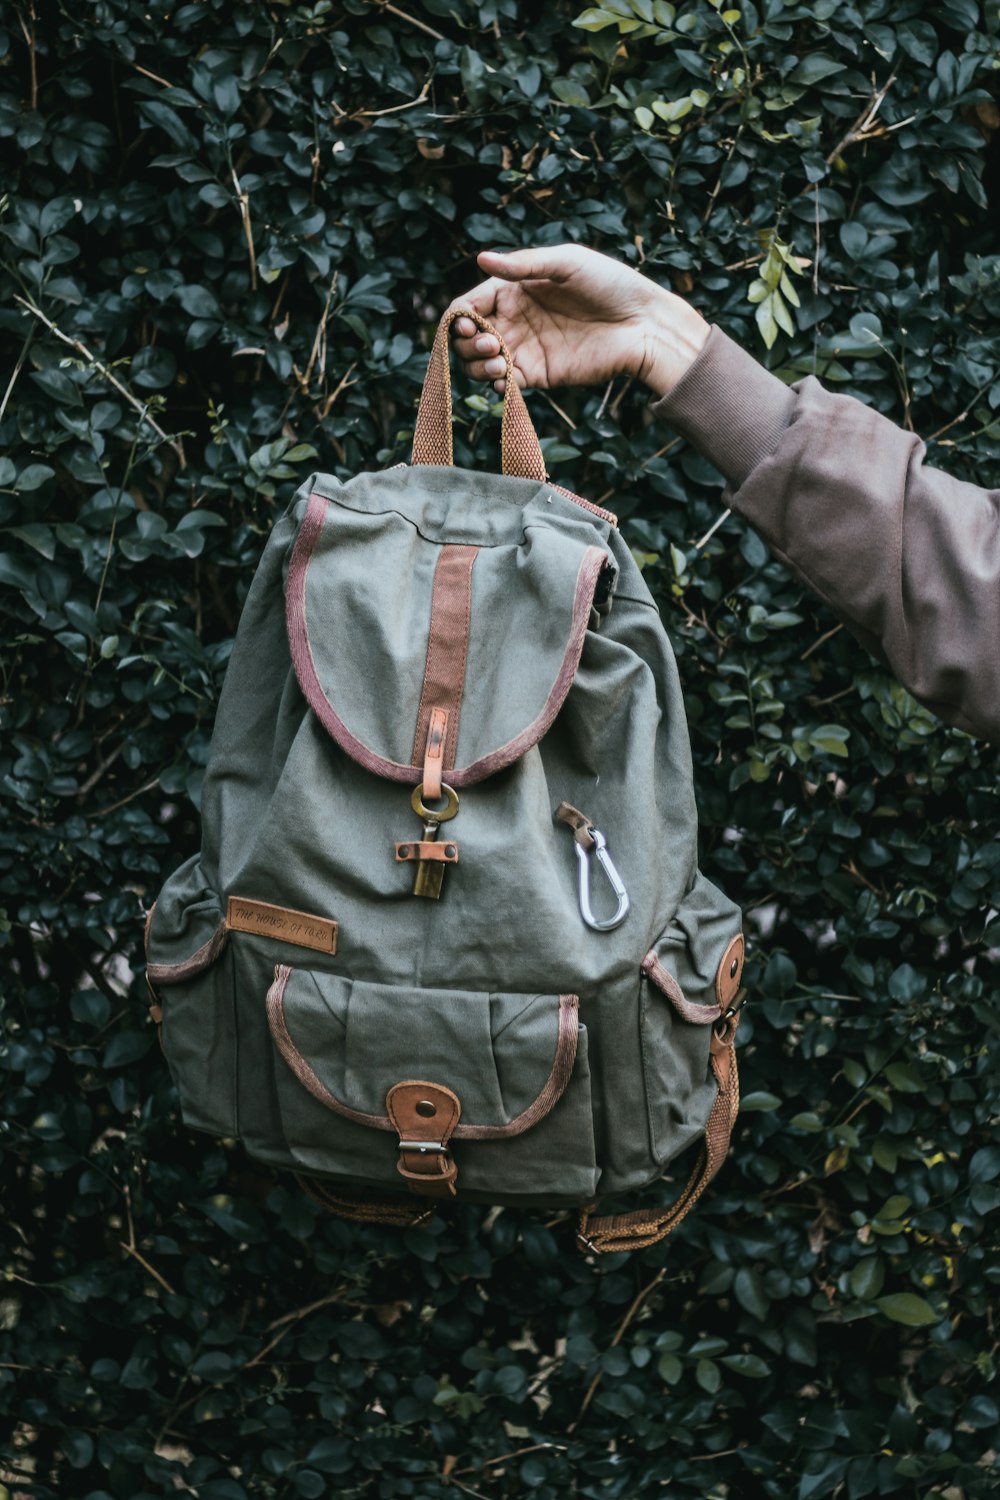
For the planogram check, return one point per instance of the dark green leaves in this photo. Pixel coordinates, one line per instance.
(245, 219)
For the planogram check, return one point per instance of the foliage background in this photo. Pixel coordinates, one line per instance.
(228, 233)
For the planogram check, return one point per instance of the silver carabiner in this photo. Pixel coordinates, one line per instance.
(614, 880)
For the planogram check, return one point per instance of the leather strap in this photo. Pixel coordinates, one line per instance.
(578, 821)
(647, 1226)
(447, 654)
(424, 851)
(520, 452)
(363, 1210)
(437, 730)
(424, 1115)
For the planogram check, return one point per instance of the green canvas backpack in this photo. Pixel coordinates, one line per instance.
(446, 935)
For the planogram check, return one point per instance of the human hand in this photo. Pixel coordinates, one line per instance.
(572, 316)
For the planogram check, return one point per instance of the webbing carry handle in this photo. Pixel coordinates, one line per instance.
(520, 453)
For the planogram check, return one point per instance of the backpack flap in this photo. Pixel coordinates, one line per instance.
(434, 593)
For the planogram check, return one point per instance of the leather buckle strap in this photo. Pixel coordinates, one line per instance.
(437, 733)
(425, 1115)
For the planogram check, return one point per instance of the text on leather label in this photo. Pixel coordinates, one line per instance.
(265, 920)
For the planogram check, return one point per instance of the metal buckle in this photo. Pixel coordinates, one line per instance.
(614, 880)
(739, 1000)
(423, 1147)
(725, 1027)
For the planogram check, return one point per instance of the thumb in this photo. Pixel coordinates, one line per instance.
(526, 265)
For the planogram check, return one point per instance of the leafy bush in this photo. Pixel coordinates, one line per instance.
(229, 233)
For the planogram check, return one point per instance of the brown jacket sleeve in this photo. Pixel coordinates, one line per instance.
(907, 556)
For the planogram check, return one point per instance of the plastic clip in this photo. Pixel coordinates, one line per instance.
(600, 848)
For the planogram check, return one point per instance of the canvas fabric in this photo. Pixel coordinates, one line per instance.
(615, 1046)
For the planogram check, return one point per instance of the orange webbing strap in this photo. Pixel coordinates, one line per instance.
(520, 453)
(363, 1210)
(647, 1226)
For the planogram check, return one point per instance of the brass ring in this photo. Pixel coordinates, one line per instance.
(426, 814)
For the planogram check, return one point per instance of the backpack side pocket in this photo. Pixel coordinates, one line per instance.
(195, 994)
(690, 977)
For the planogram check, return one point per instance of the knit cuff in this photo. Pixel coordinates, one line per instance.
(731, 408)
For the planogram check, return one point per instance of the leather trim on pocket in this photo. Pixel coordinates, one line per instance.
(549, 1095)
(200, 959)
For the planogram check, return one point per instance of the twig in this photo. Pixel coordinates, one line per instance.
(284, 1324)
(107, 763)
(713, 528)
(710, 205)
(243, 199)
(343, 384)
(557, 408)
(861, 125)
(817, 643)
(476, 1494)
(102, 369)
(491, 1463)
(421, 25)
(789, 1187)
(659, 453)
(29, 37)
(962, 416)
(131, 1250)
(17, 370)
(248, 1364)
(853, 870)
(303, 1312)
(102, 812)
(371, 114)
(616, 403)
(320, 335)
(154, 76)
(833, 698)
(619, 1334)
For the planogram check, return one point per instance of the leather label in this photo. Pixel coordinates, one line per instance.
(264, 920)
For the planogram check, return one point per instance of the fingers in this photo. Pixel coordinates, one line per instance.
(479, 352)
(555, 264)
(480, 355)
(470, 344)
(482, 298)
(501, 385)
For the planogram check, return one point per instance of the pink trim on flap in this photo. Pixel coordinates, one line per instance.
(598, 510)
(302, 657)
(591, 565)
(699, 1015)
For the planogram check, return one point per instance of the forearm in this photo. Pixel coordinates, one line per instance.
(906, 555)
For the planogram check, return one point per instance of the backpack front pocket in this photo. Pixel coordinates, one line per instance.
(515, 1063)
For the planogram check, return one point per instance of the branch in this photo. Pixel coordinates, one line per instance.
(865, 119)
(243, 199)
(102, 369)
(619, 1334)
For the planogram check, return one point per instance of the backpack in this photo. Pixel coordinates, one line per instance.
(446, 936)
